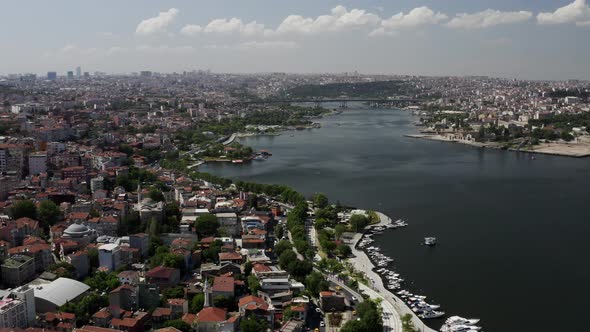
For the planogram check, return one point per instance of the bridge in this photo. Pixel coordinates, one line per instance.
(343, 102)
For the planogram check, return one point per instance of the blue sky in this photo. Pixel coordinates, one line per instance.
(531, 39)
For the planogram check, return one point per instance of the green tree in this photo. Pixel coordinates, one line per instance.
(221, 301)
(197, 303)
(173, 293)
(48, 213)
(358, 222)
(320, 200)
(253, 284)
(252, 324)
(343, 250)
(279, 231)
(156, 195)
(282, 246)
(102, 281)
(339, 230)
(85, 307)
(286, 258)
(63, 269)
(207, 225)
(315, 282)
(247, 268)
(178, 324)
(23, 209)
(174, 260)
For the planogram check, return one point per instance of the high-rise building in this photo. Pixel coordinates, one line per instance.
(70, 74)
(78, 72)
(51, 75)
(86, 74)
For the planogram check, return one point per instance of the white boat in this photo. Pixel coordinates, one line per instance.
(458, 320)
(430, 241)
(431, 314)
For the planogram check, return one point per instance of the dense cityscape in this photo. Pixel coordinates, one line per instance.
(107, 225)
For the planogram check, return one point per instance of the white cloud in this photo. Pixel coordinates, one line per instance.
(488, 18)
(191, 30)
(417, 17)
(269, 45)
(341, 19)
(158, 23)
(234, 26)
(576, 12)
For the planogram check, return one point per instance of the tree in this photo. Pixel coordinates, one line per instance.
(173, 293)
(320, 200)
(178, 324)
(282, 246)
(223, 302)
(207, 225)
(253, 201)
(279, 231)
(85, 307)
(286, 258)
(48, 213)
(23, 209)
(197, 303)
(252, 324)
(358, 222)
(102, 281)
(299, 269)
(247, 268)
(315, 282)
(343, 250)
(339, 230)
(320, 223)
(253, 284)
(173, 260)
(156, 195)
(63, 269)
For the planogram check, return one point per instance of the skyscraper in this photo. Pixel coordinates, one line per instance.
(78, 72)
(51, 75)
(70, 74)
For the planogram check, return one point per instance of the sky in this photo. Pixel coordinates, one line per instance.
(524, 39)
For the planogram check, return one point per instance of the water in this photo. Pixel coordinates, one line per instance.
(512, 231)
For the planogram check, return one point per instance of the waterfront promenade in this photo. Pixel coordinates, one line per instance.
(362, 262)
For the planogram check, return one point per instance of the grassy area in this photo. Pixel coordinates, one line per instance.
(373, 217)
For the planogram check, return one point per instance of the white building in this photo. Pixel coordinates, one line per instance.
(37, 163)
(17, 308)
(109, 256)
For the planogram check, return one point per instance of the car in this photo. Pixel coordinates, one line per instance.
(316, 330)
(318, 310)
(322, 324)
(354, 298)
(354, 312)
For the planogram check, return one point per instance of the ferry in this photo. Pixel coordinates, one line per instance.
(237, 161)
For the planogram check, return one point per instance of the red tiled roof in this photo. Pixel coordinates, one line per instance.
(102, 314)
(159, 312)
(229, 256)
(223, 284)
(252, 303)
(326, 293)
(189, 318)
(160, 272)
(211, 314)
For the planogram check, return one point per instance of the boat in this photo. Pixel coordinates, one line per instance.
(237, 161)
(431, 314)
(430, 241)
(457, 320)
(259, 157)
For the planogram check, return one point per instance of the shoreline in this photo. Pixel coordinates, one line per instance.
(553, 149)
(362, 262)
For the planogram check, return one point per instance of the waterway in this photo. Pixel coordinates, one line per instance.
(512, 231)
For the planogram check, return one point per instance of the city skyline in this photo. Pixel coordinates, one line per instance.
(513, 39)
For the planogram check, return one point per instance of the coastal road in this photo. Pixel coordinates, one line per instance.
(361, 262)
(391, 319)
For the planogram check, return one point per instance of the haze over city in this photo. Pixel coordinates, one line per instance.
(515, 39)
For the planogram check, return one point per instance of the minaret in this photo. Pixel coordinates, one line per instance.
(206, 292)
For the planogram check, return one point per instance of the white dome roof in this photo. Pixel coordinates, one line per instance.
(76, 229)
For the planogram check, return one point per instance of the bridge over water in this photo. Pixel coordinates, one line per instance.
(342, 102)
